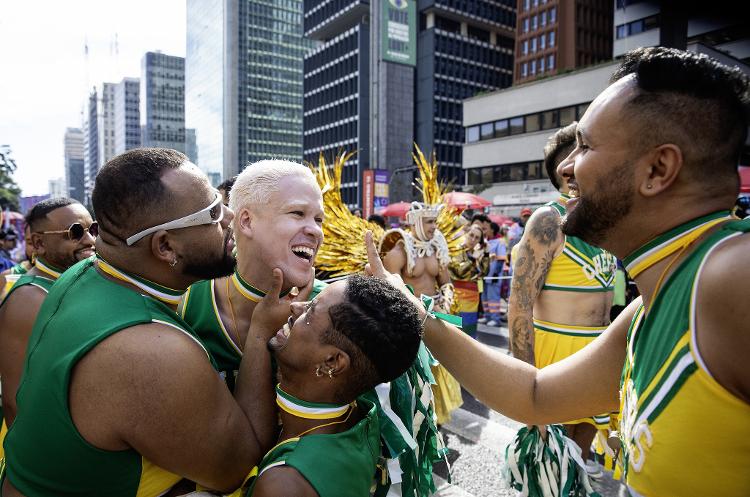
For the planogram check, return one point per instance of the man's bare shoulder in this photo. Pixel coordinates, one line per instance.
(722, 314)
(543, 227)
(283, 480)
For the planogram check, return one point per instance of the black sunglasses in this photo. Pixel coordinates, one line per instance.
(75, 231)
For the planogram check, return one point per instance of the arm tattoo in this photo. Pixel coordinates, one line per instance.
(528, 279)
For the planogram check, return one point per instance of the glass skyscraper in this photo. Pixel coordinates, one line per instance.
(244, 81)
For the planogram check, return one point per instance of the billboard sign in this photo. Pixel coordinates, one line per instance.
(368, 190)
(380, 194)
(398, 34)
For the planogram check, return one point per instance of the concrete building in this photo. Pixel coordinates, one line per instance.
(106, 125)
(127, 115)
(90, 145)
(57, 188)
(506, 132)
(554, 36)
(243, 73)
(162, 101)
(360, 81)
(74, 164)
(722, 27)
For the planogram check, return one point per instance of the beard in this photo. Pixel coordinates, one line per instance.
(600, 211)
(212, 265)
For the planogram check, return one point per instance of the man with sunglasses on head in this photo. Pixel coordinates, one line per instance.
(61, 233)
(119, 396)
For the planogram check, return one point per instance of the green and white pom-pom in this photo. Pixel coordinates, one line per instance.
(546, 468)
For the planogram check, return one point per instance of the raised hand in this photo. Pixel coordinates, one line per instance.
(375, 268)
(272, 312)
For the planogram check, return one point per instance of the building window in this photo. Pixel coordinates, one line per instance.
(472, 134)
(487, 131)
(636, 27)
(543, 18)
(542, 42)
(524, 70)
(534, 3)
(533, 44)
(551, 61)
(622, 31)
(525, 47)
(567, 115)
(516, 126)
(532, 123)
(526, 25)
(553, 14)
(533, 66)
(581, 110)
(551, 39)
(501, 128)
(541, 64)
(525, 5)
(533, 22)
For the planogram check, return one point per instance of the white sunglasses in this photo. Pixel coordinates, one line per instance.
(212, 214)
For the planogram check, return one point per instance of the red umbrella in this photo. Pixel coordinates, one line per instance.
(465, 200)
(744, 179)
(500, 219)
(398, 209)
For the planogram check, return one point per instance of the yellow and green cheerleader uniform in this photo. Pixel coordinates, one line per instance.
(683, 434)
(198, 308)
(46, 455)
(408, 454)
(43, 283)
(335, 465)
(580, 267)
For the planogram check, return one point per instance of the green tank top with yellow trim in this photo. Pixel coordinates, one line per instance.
(683, 433)
(199, 310)
(46, 455)
(335, 465)
(580, 267)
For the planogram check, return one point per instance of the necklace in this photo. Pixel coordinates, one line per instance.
(47, 269)
(309, 410)
(666, 244)
(154, 290)
(234, 321)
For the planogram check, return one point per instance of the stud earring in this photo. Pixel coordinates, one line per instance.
(648, 186)
(330, 373)
(173, 263)
(318, 373)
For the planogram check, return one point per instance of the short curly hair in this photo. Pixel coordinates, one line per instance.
(379, 328)
(693, 101)
(559, 146)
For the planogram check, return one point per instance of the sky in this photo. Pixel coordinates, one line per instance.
(45, 75)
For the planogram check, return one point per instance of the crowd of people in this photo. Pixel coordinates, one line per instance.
(179, 343)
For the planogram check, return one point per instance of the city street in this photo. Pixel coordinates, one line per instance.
(477, 436)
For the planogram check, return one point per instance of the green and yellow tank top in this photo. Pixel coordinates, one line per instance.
(580, 267)
(46, 455)
(683, 433)
(199, 310)
(335, 465)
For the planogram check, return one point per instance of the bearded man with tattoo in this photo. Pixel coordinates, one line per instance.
(562, 289)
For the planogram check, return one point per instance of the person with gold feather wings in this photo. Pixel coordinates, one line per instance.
(423, 252)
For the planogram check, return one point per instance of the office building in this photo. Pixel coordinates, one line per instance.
(74, 164)
(719, 29)
(506, 132)
(90, 145)
(57, 188)
(127, 115)
(387, 74)
(162, 101)
(554, 36)
(243, 73)
(106, 125)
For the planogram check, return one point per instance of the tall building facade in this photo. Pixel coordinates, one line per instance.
(554, 36)
(106, 126)
(57, 188)
(387, 74)
(90, 147)
(127, 115)
(162, 101)
(74, 164)
(243, 75)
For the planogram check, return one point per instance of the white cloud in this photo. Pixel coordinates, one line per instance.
(45, 77)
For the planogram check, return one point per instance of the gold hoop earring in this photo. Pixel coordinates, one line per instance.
(330, 373)
(318, 373)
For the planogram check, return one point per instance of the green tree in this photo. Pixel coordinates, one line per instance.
(9, 190)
